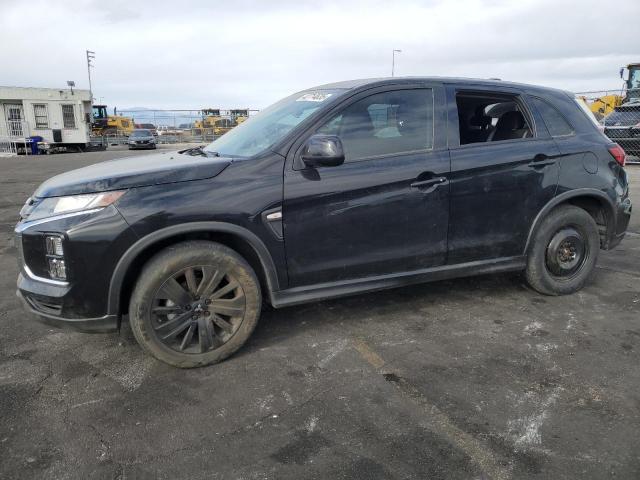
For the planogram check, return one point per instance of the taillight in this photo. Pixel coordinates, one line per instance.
(617, 152)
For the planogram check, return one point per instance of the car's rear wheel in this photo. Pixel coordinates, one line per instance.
(195, 304)
(563, 252)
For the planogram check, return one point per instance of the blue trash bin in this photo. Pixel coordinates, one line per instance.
(33, 143)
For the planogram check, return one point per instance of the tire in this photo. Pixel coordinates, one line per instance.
(203, 288)
(563, 252)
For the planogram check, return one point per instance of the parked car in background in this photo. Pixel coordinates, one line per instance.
(370, 184)
(148, 126)
(623, 126)
(141, 138)
(169, 130)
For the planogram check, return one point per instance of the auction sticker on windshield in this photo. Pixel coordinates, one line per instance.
(314, 97)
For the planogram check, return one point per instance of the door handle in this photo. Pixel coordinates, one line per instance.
(542, 160)
(431, 182)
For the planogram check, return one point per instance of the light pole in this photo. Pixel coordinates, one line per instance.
(393, 60)
(90, 56)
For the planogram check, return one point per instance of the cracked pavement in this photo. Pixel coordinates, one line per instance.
(477, 378)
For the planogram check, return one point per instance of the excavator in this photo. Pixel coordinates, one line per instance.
(104, 124)
(604, 105)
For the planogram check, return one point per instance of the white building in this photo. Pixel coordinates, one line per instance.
(60, 116)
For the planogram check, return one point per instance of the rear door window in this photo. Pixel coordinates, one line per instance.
(492, 117)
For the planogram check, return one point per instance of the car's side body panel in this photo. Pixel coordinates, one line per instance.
(497, 188)
(252, 187)
(364, 217)
(327, 232)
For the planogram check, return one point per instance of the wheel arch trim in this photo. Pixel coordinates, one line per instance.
(127, 259)
(598, 195)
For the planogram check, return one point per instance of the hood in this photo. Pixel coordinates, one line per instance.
(137, 171)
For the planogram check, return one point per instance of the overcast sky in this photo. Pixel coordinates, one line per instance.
(183, 54)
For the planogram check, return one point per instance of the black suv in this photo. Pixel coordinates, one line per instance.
(341, 189)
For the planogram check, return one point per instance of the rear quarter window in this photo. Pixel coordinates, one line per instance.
(556, 123)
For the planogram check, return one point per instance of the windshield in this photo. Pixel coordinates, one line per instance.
(272, 124)
(141, 133)
(634, 78)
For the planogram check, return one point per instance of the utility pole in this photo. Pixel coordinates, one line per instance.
(393, 60)
(90, 56)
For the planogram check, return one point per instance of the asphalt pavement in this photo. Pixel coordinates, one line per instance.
(477, 378)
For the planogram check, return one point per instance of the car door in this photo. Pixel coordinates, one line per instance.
(497, 186)
(386, 208)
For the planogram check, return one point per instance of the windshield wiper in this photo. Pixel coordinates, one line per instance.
(199, 150)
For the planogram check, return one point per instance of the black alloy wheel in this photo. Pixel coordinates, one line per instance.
(194, 304)
(198, 309)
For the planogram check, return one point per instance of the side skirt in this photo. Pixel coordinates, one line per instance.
(322, 291)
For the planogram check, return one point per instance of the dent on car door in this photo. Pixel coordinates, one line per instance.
(385, 209)
(503, 171)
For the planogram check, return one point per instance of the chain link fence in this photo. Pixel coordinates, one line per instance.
(188, 126)
(618, 111)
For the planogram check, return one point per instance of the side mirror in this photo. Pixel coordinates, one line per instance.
(323, 151)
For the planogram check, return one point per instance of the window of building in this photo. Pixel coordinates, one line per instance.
(385, 124)
(553, 119)
(491, 118)
(68, 116)
(41, 115)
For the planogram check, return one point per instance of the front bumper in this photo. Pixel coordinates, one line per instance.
(142, 145)
(105, 324)
(93, 243)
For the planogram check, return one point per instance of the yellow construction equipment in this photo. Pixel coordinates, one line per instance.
(239, 115)
(604, 105)
(104, 124)
(215, 123)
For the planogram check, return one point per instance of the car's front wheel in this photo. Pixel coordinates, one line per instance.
(195, 304)
(563, 251)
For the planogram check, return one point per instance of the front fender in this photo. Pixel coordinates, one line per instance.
(125, 262)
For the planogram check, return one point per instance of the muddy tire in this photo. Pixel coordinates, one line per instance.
(563, 252)
(195, 304)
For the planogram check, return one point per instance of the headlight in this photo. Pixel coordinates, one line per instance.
(49, 207)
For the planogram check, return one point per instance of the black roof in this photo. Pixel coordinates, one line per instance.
(372, 82)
